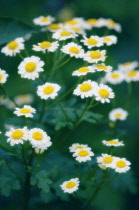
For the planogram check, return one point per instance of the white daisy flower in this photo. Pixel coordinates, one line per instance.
(93, 41)
(13, 47)
(3, 76)
(113, 142)
(102, 166)
(92, 22)
(127, 66)
(132, 75)
(70, 186)
(77, 30)
(46, 46)
(109, 40)
(39, 139)
(95, 56)
(103, 93)
(48, 90)
(83, 71)
(76, 22)
(23, 99)
(55, 26)
(106, 160)
(30, 67)
(43, 20)
(118, 114)
(115, 77)
(86, 89)
(83, 155)
(17, 136)
(110, 24)
(26, 111)
(64, 34)
(121, 165)
(76, 146)
(73, 50)
(102, 67)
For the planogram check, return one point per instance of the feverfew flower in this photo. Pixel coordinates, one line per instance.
(48, 90)
(26, 111)
(110, 24)
(113, 142)
(118, 114)
(93, 41)
(106, 160)
(39, 139)
(23, 99)
(109, 40)
(83, 71)
(46, 46)
(128, 66)
(103, 93)
(43, 20)
(64, 34)
(102, 67)
(86, 89)
(95, 56)
(74, 147)
(92, 22)
(83, 155)
(30, 67)
(76, 22)
(55, 26)
(70, 186)
(17, 136)
(132, 75)
(121, 165)
(13, 47)
(3, 76)
(115, 77)
(73, 50)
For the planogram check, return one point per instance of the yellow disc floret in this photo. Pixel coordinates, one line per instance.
(107, 39)
(118, 115)
(95, 54)
(30, 67)
(83, 153)
(103, 93)
(85, 87)
(120, 164)
(112, 142)
(74, 50)
(25, 111)
(45, 44)
(101, 67)
(114, 75)
(44, 19)
(132, 73)
(17, 134)
(107, 160)
(65, 33)
(92, 21)
(92, 41)
(83, 69)
(78, 147)
(48, 90)
(70, 185)
(37, 136)
(12, 45)
(54, 26)
(0, 76)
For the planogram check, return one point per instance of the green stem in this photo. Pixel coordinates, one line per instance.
(9, 150)
(62, 109)
(26, 52)
(42, 111)
(111, 179)
(20, 56)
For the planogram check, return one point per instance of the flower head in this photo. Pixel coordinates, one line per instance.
(102, 67)
(64, 34)
(3, 76)
(121, 165)
(113, 142)
(83, 71)
(109, 40)
(118, 114)
(132, 75)
(83, 155)
(70, 186)
(26, 111)
(73, 50)
(23, 99)
(13, 47)
(46, 46)
(43, 20)
(30, 67)
(106, 160)
(93, 41)
(110, 24)
(115, 77)
(55, 26)
(95, 56)
(127, 66)
(77, 146)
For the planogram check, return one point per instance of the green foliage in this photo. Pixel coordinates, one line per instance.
(8, 32)
(41, 180)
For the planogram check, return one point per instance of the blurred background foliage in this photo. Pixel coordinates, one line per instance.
(125, 12)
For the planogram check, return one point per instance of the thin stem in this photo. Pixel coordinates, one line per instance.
(111, 179)
(20, 56)
(26, 52)
(9, 150)
(79, 170)
(42, 111)
(62, 109)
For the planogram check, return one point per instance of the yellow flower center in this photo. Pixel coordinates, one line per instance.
(54, 26)
(72, 22)
(107, 39)
(45, 44)
(120, 164)
(0, 76)
(70, 185)
(112, 142)
(91, 21)
(30, 67)
(127, 63)
(79, 147)
(92, 41)
(107, 160)
(95, 54)
(114, 75)
(17, 134)
(37, 136)
(83, 153)
(44, 19)
(118, 115)
(83, 69)
(111, 23)
(76, 29)
(12, 45)
(48, 90)
(102, 67)
(132, 73)
(103, 93)
(25, 111)
(65, 33)
(74, 50)
(85, 87)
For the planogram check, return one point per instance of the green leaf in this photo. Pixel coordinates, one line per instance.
(2, 162)
(47, 197)
(90, 116)
(11, 28)
(41, 180)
